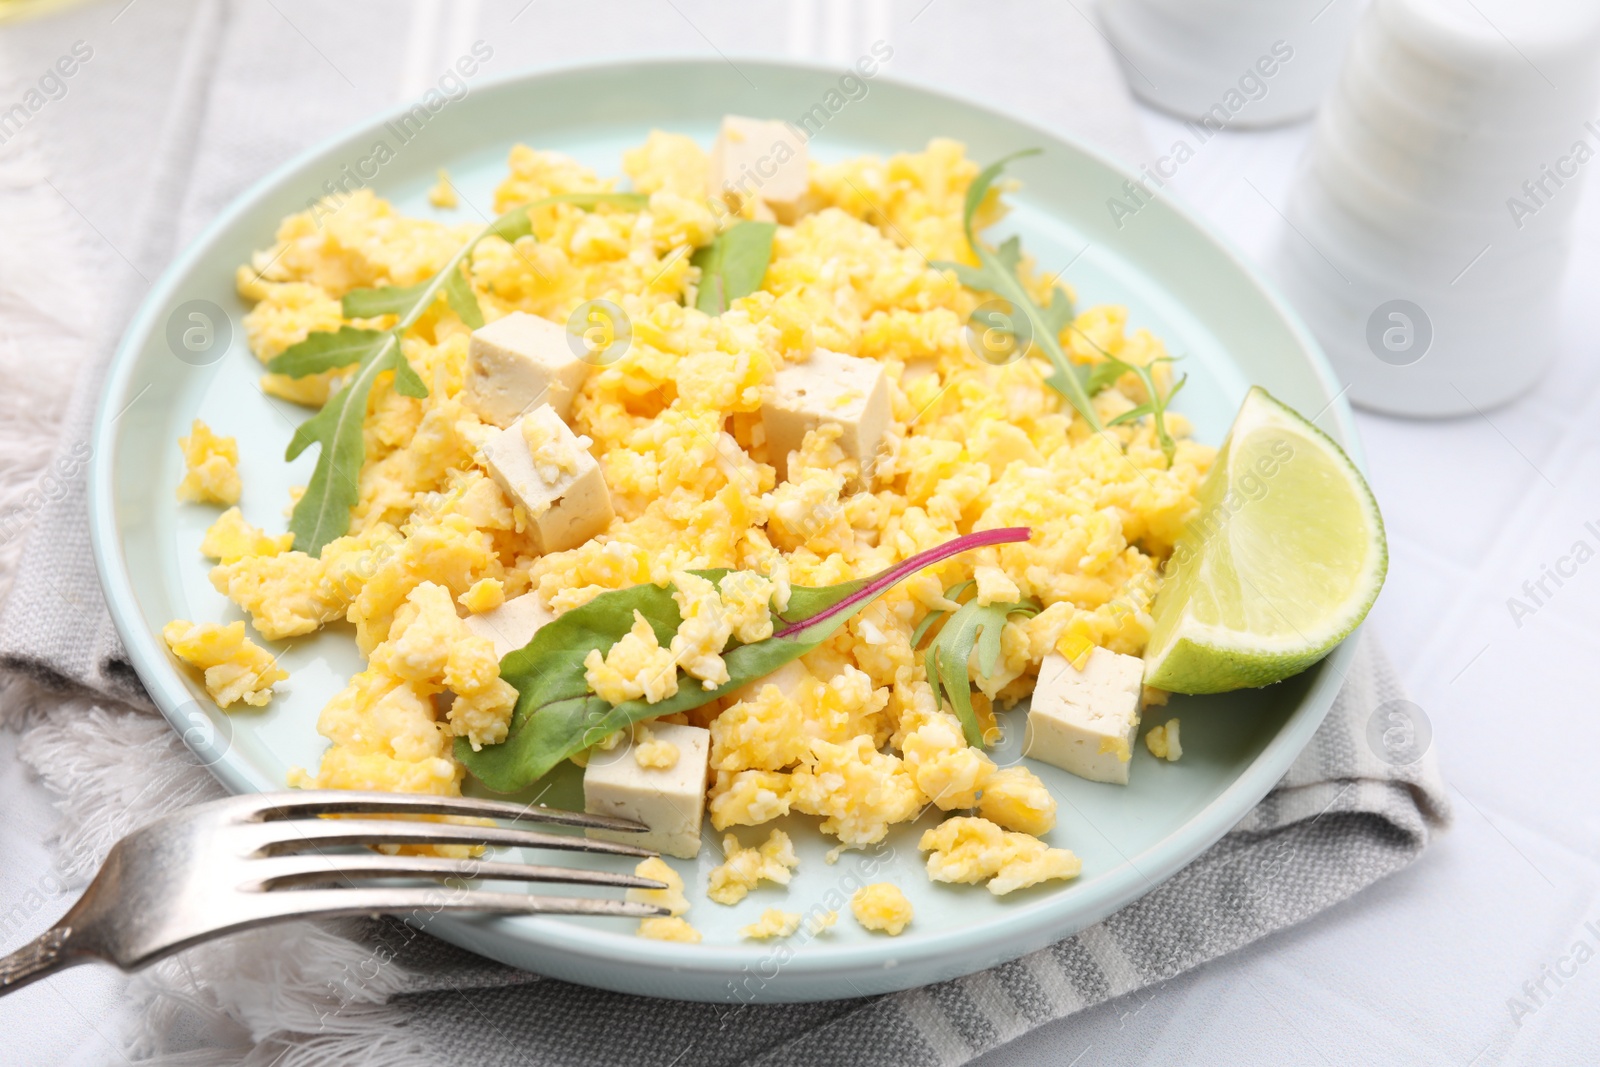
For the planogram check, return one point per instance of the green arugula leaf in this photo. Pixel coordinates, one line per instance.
(954, 593)
(945, 660)
(997, 274)
(463, 301)
(1106, 373)
(388, 300)
(733, 265)
(327, 351)
(557, 716)
(323, 512)
(1059, 313)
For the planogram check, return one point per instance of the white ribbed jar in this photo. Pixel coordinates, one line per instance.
(1429, 224)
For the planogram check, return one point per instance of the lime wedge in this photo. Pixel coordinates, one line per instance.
(1283, 560)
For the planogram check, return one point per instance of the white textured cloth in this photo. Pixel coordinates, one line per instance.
(196, 99)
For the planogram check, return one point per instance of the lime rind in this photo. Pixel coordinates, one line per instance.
(1258, 591)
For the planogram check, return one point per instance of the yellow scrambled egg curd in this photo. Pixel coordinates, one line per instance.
(881, 906)
(485, 595)
(231, 539)
(636, 666)
(742, 869)
(671, 898)
(819, 920)
(211, 472)
(669, 928)
(384, 726)
(651, 751)
(1016, 799)
(442, 193)
(773, 923)
(1163, 743)
(969, 849)
(235, 667)
(853, 735)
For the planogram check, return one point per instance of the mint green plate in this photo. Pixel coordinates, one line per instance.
(1174, 275)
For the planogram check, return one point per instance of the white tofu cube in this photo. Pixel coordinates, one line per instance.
(669, 800)
(560, 488)
(828, 387)
(519, 361)
(763, 161)
(511, 625)
(1085, 721)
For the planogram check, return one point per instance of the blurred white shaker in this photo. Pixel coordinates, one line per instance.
(1429, 226)
(1230, 62)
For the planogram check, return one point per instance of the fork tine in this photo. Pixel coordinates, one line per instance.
(277, 871)
(421, 902)
(291, 835)
(348, 801)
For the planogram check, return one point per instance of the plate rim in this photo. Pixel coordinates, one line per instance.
(1023, 929)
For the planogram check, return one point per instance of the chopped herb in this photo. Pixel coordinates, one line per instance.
(972, 626)
(558, 716)
(733, 265)
(997, 274)
(1105, 375)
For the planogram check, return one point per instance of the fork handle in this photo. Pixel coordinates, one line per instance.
(44, 955)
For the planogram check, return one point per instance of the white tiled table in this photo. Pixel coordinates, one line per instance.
(1419, 969)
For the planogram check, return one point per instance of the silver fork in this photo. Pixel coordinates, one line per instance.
(241, 862)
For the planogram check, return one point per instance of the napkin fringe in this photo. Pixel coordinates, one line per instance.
(326, 1003)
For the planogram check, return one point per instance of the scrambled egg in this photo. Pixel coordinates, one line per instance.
(967, 849)
(743, 868)
(485, 595)
(384, 726)
(1162, 741)
(211, 473)
(671, 898)
(669, 928)
(773, 923)
(231, 539)
(819, 920)
(636, 666)
(853, 736)
(651, 751)
(235, 667)
(881, 906)
(1017, 800)
(443, 191)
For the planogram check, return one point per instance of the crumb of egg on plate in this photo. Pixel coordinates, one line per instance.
(881, 906)
(211, 472)
(1163, 743)
(773, 923)
(443, 191)
(829, 424)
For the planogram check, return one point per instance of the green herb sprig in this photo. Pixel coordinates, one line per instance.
(997, 273)
(558, 716)
(1106, 373)
(323, 512)
(973, 625)
(733, 264)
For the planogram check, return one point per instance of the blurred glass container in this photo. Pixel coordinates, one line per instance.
(1236, 62)
(1430, 224)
